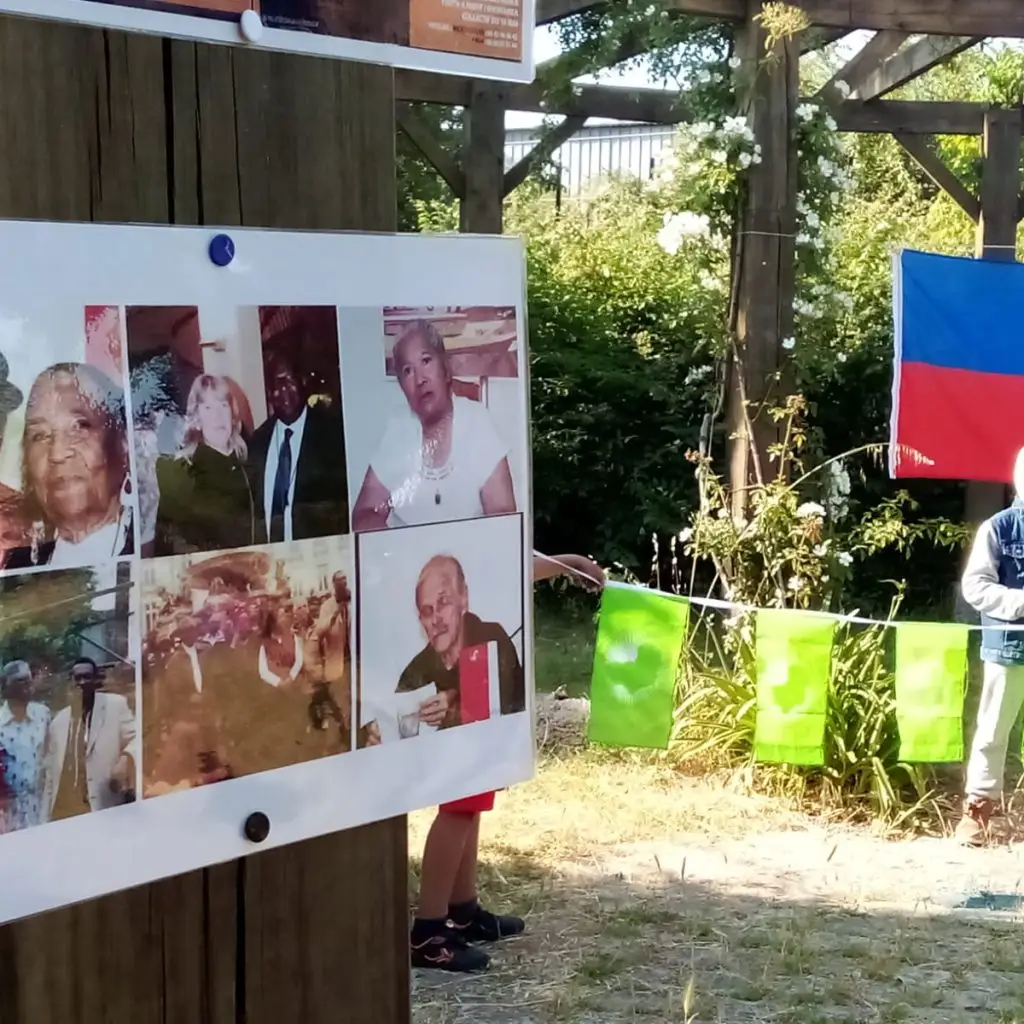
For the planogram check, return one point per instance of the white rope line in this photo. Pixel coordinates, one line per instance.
(851, 619)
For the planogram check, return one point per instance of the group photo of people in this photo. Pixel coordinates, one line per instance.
(68, 726)
(445, 422)
(237, 416)
(441, 627)
(246, 661)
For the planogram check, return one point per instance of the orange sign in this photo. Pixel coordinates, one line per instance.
(476, 28)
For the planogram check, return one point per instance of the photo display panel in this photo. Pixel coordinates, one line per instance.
(266, 549)
(490, 39)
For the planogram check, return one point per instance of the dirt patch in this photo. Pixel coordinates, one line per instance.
(650, 897)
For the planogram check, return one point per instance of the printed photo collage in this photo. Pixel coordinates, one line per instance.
(240, 539)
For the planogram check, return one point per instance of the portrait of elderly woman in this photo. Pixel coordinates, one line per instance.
(206, 500)
(443, 459)
(75, 470)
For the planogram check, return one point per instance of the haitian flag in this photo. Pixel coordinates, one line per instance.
(958, 386)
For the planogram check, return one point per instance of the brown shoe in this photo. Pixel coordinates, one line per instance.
(981, 823)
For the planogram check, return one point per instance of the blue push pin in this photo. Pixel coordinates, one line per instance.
(222, 250)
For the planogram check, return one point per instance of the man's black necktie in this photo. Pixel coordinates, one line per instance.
(281, 485)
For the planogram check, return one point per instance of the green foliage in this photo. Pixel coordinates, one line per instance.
(622, 370)
(42, 616)
(418, 182)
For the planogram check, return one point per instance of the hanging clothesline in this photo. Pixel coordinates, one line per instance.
(852, 619)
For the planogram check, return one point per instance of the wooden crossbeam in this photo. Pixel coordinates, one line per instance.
(917, 59)
(560, 134)
(911, 118)
(931, 163)
(875, 52)
(930, 17)
(556, 10)
(419, 134)
(658, 106)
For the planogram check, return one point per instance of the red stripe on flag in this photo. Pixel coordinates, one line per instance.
(958, 424)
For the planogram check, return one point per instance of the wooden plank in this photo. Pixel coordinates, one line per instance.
(557, 136)
(419, 134)
(933, 17)
(324, 932)
(549, 11)
(659, 106)
(875, 52)
(483, 162)
(100, 125)
(766, 261)
(917, 59)
(910, 118)
(996, 239)
(931, 163)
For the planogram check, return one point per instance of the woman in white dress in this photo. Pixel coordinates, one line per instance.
(441, 461)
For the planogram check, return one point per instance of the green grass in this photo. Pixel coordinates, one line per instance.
(564, 647)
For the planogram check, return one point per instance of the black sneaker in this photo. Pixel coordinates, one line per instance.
(448, 951)
(482, 926)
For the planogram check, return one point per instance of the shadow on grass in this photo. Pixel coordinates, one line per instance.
(604, 948)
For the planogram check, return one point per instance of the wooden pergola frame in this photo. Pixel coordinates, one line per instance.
(764, 291)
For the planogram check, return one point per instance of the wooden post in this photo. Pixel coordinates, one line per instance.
(766, 256)
(483, 163)
(997, 240)
(98, 125)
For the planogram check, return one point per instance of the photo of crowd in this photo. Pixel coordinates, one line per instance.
(66, 492)
(441, 627)
(247, 661)
(239, 438)
(68, 733)
(449, 445)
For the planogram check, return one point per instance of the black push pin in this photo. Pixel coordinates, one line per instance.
(222, 250)
(257, 827)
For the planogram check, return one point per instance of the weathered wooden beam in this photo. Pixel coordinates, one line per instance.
(765, 264)
(875, 52)
(930, 17)
(910, 118)
(659, 106)
(931, 163)
(549, 11)
(996, 240)
(483, 161)
(917, 59)
(1000, 185)
(419, 134)
(558, 136)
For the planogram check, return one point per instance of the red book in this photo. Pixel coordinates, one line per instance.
(478, 683)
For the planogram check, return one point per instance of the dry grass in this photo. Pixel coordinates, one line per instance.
(640, 886)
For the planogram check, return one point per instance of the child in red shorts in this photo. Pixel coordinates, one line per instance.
(449, 918)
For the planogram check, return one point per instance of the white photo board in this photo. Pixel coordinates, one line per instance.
(264, 512)
(490, 39)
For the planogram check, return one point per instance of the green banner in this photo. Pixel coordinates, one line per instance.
(793, 654)
(636, 662)
(931, 674)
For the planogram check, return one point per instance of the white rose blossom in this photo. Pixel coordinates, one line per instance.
(810, 510)
(789, 343)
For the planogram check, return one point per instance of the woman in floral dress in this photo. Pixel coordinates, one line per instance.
(24, 740)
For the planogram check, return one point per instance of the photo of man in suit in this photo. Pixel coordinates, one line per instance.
(94, 741)
(298, 458)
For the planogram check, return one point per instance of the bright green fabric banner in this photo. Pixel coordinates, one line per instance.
(931, 674)
(640, 635)
(793, 654)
